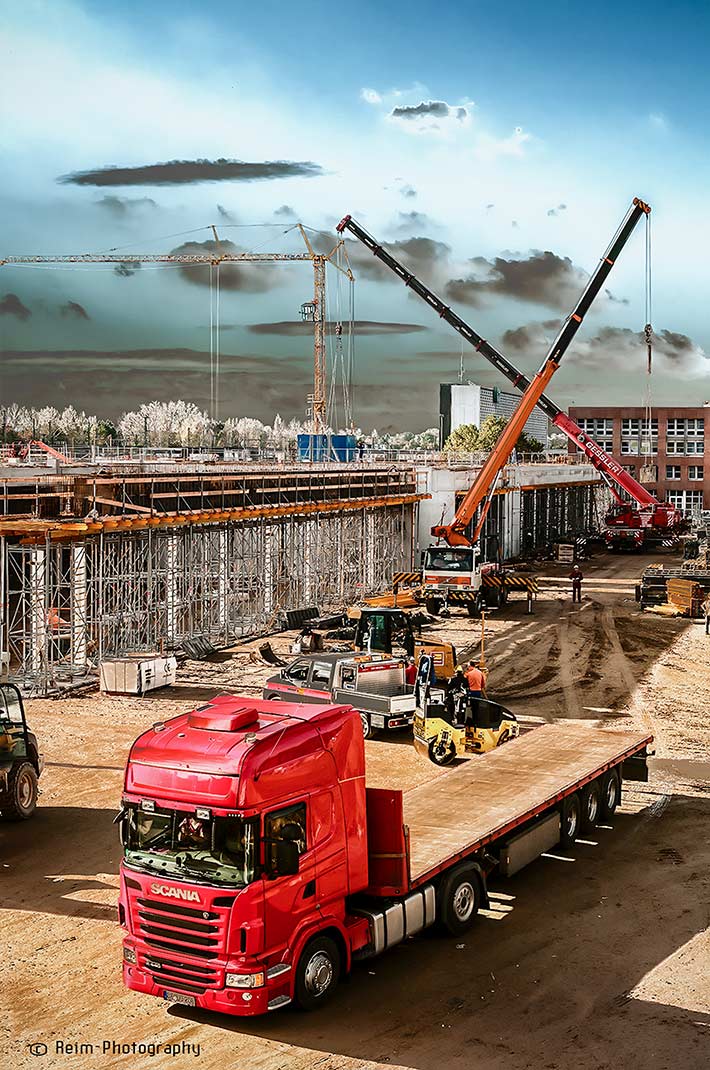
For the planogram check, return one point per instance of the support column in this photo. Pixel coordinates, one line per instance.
(171, 587)
(223, 582)
(78, 604)
(38, 609)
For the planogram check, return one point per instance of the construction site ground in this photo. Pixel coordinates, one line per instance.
(596, 958)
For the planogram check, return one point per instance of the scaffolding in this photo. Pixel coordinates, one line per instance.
(68, 605)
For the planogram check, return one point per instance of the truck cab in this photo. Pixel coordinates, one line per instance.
(374, 684)
(449, 569)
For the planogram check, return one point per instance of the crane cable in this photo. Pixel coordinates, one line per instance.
(648, 338)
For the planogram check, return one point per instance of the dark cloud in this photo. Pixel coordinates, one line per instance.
(421, 255)
(285, 211)
(490, 207)
(127, 268)
(615, 347)
(557, 210)
(301, 327)
(109, 382)
(428, 109)
(541, 278)
(10, 305)
(73, 308)
(121, 206)
(188, 172)
(407, 221)
(408, 191)
(225, 214)
(514, 223)
(616, 300)
(245, 277)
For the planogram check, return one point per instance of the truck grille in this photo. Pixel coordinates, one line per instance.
(180, 976)
(169, 927)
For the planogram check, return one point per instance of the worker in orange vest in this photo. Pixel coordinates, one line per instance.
(476, 681)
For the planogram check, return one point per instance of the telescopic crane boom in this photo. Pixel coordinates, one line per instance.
(533, 390)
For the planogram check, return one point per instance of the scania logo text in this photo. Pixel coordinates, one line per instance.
(188, 894)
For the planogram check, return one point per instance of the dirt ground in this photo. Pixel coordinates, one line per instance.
(592, 960)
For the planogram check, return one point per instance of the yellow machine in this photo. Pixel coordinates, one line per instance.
(451, 727)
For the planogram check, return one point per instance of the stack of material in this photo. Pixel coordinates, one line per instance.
(566, 552)
(653, 587)
(686, 596)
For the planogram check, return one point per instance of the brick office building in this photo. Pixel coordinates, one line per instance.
(673, 447)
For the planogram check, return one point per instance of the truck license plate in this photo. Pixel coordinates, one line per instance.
(179, 997)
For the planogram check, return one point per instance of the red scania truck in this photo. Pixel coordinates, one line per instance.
(258, 867)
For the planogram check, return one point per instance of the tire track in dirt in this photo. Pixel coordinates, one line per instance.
(618, 662)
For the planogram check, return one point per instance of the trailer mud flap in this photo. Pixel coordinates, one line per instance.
(635, 768)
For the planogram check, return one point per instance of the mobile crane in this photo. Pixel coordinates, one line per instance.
(652, 517)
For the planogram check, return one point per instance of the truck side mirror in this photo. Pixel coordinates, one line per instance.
(285, 858)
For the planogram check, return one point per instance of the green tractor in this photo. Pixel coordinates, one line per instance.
(20, 760)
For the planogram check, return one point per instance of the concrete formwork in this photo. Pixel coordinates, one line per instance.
(66, 605)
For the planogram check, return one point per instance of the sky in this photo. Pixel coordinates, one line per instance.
(494, 149)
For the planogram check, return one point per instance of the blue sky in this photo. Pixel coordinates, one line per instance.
(497, 133)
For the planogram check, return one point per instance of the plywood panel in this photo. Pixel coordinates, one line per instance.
(487, 794)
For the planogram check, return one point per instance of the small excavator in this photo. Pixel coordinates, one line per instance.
(392, 631)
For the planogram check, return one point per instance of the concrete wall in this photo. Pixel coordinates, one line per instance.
(445, 484)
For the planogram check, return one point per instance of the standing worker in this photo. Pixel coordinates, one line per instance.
(410, 673)
(476, 681)
(706, 611)
(576, 577)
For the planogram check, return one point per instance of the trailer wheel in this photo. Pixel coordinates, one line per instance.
(610, 794)
(459, 899)
(441, 753)
(20, 800)
(591, 805)
(433, 605)
(317, 973)
(366, 726)
(570, 820)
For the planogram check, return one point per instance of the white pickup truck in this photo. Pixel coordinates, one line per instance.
(374, 685)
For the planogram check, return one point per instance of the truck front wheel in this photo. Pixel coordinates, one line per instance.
(20, 801)
(459, 899)
(317, 973)
(610, 794)
(570, 820)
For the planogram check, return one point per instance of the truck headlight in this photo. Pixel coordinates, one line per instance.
(129, 955)
(244, 980)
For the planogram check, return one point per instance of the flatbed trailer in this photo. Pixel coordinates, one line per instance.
(483, 802)
(258, 866)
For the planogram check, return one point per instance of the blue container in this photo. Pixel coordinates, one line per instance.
(327, 448)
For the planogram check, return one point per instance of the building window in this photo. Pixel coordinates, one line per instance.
(695, 447)
(597, 428)
(675, 448)
(630, 468)
(630, 447)
(688, 501)
(695, 471)
(672, 471)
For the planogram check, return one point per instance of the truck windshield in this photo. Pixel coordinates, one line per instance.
(219, 849)
(445, 559)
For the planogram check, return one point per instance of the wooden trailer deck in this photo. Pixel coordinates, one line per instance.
(487, 796)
